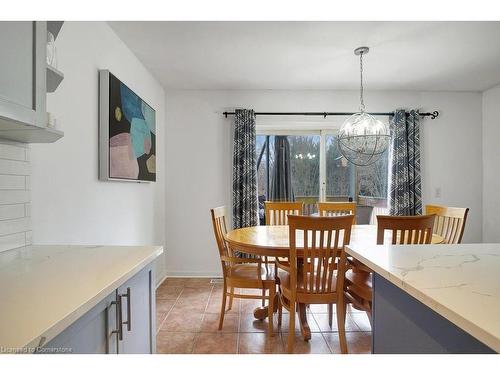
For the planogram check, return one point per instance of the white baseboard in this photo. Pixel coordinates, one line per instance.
(161, 281)
(193, 274)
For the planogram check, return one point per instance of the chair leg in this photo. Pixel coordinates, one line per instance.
(330, 314)
(291, 328)
(231, 299)
(263, 297)
(280, 311)
(223, 307)
(270, 310)
(341, 314)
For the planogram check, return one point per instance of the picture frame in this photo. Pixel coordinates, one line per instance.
(127, 133)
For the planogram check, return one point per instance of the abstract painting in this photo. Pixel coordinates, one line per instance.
(127, 133)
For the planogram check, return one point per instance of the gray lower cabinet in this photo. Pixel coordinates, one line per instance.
(404, 325)
(92, 333)
(123, 322)
(138, 307)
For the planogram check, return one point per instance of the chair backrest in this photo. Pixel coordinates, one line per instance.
(277, 212)
(449, 223)
(318, 241)
(337, 209)
(406, 230)
(378, 211)
(220, 231)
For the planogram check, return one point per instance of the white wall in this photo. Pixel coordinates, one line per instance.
(70, 205)
(198, 157)
(491, 165)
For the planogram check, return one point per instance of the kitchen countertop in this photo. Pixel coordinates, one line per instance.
(44, 289)
(460, 282)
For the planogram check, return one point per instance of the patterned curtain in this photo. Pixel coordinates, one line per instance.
(245, 204)
(405, 195)
(281, 178)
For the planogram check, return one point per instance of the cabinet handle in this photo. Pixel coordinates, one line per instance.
(119, 318)
(128, 322)
(118, 330)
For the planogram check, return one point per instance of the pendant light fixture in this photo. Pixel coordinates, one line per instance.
(362, 138)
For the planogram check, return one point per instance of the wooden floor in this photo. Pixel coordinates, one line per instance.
(187, 319)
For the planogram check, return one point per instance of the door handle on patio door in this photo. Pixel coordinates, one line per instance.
(128, 322)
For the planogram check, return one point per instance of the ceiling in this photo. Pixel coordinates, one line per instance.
(436, 56)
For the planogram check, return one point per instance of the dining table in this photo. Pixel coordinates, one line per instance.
(273, 241)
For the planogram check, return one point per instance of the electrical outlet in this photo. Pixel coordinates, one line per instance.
(437, 192)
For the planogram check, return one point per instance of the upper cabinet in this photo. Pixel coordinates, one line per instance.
(23, 82)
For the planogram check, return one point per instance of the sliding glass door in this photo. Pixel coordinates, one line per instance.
(320, 173)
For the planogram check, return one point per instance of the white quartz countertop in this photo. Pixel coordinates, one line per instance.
(460, 282)
(44, 289)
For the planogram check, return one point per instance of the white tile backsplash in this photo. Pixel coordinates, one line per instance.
(11, 226)
(14, 167)
(11, 151)
(11, 182)
(12, 241)
(12, 211)
(15, 197)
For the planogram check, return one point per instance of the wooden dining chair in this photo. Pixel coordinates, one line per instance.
(355, 279)
(449, 223)
(242, 273)
(405, 230)
(337, 209)
(309, 278)
(277, 212)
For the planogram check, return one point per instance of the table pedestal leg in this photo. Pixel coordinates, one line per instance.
(261, 312)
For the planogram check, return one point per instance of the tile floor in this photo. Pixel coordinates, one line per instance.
(187, 318)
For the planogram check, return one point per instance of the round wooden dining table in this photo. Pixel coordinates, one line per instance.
(273, 240)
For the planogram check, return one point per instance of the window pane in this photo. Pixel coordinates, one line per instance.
(373, 179)
(304, 150)
(304, 160)
(339, 173)
(261, 167)
(262, 171)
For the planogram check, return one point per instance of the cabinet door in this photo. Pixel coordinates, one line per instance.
(95, 332)
(138, 306)
(22, 73)
(16, 65)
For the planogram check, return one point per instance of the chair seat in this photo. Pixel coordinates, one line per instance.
(314, 296)
(250, 272)
(359, 283)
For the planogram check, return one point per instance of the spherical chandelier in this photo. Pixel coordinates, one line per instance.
(362, 139)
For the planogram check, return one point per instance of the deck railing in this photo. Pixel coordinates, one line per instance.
(367, 207)
(310, 202)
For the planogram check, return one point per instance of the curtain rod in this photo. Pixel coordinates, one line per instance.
(432, 115)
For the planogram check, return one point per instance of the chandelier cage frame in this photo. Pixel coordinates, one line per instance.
(362, 139)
